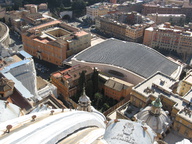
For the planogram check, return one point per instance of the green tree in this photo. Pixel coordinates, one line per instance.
(78, 5)
(81, 81)
(105, 106)
(95, 80)
(17, 3)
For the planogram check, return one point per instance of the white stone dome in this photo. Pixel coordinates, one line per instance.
(8, 111)
(159, 123)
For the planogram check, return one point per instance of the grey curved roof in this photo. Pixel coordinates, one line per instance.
(134, 57)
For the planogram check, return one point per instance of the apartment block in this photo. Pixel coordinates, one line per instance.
(173, 38)
(169, 7)
(67, 81)
(55, 41)
(176, 19)
(96, 10)
(126, 26)
(24, 18)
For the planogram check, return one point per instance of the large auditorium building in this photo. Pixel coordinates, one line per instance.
(128, 61)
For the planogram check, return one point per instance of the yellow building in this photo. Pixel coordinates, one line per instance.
(186, 84)
(180, 109)
(96, 10)
(182, 113)
(116, 88)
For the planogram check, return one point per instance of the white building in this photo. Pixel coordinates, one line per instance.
(21, 68)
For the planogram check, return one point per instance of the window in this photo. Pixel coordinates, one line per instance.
(186, 132)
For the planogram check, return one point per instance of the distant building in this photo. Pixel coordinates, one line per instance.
(31, 7)
(129, 6)
(128, 61)
(176, 19)
(172, 38)
(14, 19)
(55, 41)
(35, 8)
(96, 10)
(181, 7)
(125, 26)
(185, 85)
(27, 17)
(116, 88)
(43, 6)
(67, 81)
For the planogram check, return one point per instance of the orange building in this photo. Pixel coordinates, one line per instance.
(67, 82)
(55, 41)
(116, 88)
(172, 38)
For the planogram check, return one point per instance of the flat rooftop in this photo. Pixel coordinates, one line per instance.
(189, 79)
(160, 84)
(134, 57)
(45, 25)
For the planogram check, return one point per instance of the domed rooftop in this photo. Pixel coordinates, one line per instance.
(158, 123)
(8, 111)
(128, 132)
(155, 117)
(54, 126)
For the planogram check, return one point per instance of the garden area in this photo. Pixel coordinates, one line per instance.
(96, 95)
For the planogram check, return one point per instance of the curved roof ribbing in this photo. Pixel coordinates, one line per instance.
(134, 57)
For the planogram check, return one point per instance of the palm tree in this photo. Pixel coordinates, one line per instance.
(105, 107)
(98, 97)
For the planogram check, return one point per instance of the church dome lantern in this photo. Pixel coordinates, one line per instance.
(155, 117)
(84, 102)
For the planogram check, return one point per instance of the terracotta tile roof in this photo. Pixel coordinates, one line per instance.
(45, 40)
(81, 33)
(45, 25)
(73, 72)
